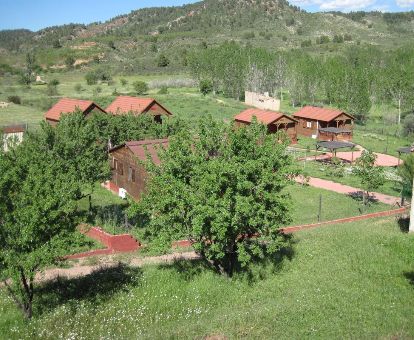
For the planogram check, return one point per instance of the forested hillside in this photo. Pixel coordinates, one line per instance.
(134, 40)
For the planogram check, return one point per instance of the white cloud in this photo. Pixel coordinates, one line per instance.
(405, 3)
(345, 5)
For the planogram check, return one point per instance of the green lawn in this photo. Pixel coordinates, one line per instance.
(346, 281)
(334, 205)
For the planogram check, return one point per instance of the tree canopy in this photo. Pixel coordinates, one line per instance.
(223, 191)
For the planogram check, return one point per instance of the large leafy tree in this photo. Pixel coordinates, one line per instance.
(77, 141)
(37, 214)
(371, 176)
(223, 191)
(42, 180)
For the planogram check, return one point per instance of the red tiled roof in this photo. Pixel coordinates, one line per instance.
(67, 105)
(125, 104)
(150, 146)
(263, 116)
(13, 128)
(319, 113)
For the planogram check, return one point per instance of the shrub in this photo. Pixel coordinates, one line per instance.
(123, 81)
(78, 88)
(290, 21)
(54, 82)
(51, 90)
(14, 99)
(206, 86)
(69, 61)
(306, 43)
(162, 60)
(163, 90)
(248, 35)
(91, 78)
(140, 87)
(408, 124)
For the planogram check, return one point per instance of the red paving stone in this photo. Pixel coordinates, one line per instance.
(382, 159)
(348, 190)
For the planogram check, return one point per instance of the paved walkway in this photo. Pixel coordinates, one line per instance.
(348, 190)
(382, 159)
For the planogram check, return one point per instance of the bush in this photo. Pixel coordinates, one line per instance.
(51, 90)
(206, 86)
(54, 82)
(14, 99)
(78, 88)
(306, 43)
(91, 78)
(408, 124)
(163, 90)
(101, 74)
(248, 35)
(140, 87)
(123, 81)
(162, 60)
(69, 61)
(290, 21)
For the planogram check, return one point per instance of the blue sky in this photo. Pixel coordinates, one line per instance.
(37, 14)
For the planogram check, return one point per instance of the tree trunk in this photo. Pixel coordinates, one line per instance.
(399, 111)
(28, 296)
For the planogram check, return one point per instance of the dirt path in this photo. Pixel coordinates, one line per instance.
(348, 190)
(110, 261)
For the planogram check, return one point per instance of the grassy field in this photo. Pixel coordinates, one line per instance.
(306, 205)
(346, 281)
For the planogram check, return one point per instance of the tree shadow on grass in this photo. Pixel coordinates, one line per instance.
(404, 223)
(357, 196)
(258, 269)
(410, 277)
(97, 287)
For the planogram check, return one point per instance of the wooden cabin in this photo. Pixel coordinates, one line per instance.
(324, 124)
(274, 121)
(127, 171)
(68, 105)
(135, 105)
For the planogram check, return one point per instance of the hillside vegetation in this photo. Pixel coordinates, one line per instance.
(132, 41)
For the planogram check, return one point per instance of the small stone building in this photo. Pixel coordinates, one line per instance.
(274, 121)
(135, 105)
(324, 124)
(128, 173)
(68, 105)
(12, 135)
(261, 101)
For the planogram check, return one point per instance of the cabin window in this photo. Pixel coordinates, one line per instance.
(114, 164)
(131, 174)
(309, 125)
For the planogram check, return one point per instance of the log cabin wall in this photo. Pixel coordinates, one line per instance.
(127, 173)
